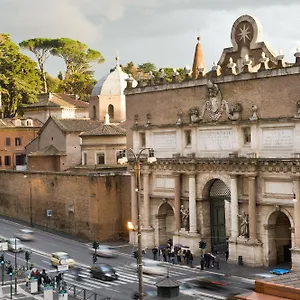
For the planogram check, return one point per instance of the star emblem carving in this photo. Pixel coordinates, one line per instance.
(244, 33)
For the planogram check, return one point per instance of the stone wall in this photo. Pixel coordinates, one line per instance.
(95, 207)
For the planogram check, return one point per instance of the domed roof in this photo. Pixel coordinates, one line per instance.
(112, 84)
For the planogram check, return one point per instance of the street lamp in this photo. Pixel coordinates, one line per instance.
(137, 167)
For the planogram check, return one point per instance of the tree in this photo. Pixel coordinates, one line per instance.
(41, 48)
(146, 67)
(130, 68)
(20, 79)
(76, 55)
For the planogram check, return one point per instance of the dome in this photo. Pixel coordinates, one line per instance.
(112, 84)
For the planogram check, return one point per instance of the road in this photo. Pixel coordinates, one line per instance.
(45, 243)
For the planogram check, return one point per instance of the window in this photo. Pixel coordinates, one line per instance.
(100, 158)
(20, 160)
(188, 137)
(84, 158)
(29, 122)
(7, 160)
(0, 160)
(142, 139)
(94, 112)
(119, 154)
(7, 141)
(247, 135)
(18, 141)
(111, 112)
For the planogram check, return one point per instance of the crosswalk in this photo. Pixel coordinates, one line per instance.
(127, 274)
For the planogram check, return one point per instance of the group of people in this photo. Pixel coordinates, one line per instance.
(174, 255)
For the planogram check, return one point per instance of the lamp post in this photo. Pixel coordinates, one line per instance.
(137, 167)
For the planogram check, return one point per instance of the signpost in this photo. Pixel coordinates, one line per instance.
(62, 268)
(3, 246)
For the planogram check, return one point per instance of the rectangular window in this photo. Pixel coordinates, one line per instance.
(0, 160)
(119, 154)
(247, 135)
(18, 141)
(142, 139)
(7, 160)
(7, 141)
(188, 137)
(20, 160)
(100, 159)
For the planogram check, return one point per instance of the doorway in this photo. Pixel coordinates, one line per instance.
(166, 223)
(217, 194)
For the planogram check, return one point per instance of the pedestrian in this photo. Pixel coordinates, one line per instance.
(217, 260)
(187, 257)
(164, 254)
(202, 262)
(173, 257)
(212, 260)
(179, 253)
(206, 260)
(155, 251)
(191, 258)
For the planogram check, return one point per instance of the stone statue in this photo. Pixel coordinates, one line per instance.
(244, 226)
(185, 215)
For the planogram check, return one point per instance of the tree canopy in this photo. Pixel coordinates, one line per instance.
(20, 79)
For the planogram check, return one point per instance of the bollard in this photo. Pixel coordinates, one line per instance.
(16, 286)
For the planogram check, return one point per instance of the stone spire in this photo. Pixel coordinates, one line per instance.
(198, 59)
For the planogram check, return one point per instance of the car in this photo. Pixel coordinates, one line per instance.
(103, 271)
(151, 267)
(15, 245)
(61, 258)
(104, 251)
(25, 235)
(212, 281)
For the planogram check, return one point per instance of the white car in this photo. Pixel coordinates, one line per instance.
(104, 251)
(15, 245)
(152, 267)
(25, 235)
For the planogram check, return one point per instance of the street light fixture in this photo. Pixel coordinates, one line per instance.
(137, 167)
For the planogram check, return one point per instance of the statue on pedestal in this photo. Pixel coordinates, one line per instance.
(185, 216)
(244, 226)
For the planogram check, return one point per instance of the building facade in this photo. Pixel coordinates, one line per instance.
(228, 153)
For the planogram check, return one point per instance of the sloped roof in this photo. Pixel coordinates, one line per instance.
(48, 151)
(167, 282)
(57, 100)
(76, 124)
(10, 123)
(105, 130)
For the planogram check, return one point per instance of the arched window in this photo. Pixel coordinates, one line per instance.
(111, 111)
(94, 112)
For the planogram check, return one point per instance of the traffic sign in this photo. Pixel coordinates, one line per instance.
(3, 246)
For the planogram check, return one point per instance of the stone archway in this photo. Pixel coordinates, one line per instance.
(218, 193)
(166, 223)
(279, 238)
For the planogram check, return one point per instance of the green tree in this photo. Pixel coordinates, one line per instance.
(76, 55)
(146, 67)
(41, 48)
(20, 79)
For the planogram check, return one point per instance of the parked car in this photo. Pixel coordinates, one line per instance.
(103, 272)
(61, 258)
(15, 245)
(25, 235)
(104, 251)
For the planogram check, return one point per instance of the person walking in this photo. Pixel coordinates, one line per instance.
(191, 258)
(179, 253)
(155, 251)
(217, 260)
(202, 262)
(164, 254)
(206, 260)
(173, 257)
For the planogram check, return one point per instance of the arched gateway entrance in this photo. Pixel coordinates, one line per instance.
(279, 238)
(166, 223)
(218, 193)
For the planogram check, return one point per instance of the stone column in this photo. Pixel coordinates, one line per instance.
(252, 208)
(192, 202)
(297, 211)
(234, 207)
(133, 199)
(177, 202)
(146, 222)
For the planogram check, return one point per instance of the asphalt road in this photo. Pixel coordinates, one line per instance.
(45, 243)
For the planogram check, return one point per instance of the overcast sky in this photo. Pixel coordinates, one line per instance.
(159, 31)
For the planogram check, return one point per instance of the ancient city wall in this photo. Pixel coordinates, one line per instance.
(94, 206)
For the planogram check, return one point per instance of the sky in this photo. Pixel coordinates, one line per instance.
(162, 32)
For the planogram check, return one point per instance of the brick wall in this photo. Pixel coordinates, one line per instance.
(88, 206)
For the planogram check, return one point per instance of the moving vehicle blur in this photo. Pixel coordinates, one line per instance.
(61, 258)
(151, 267)
(103, 272)
(104, 251)
(25, 235)
(212, 281)
(15, 245)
